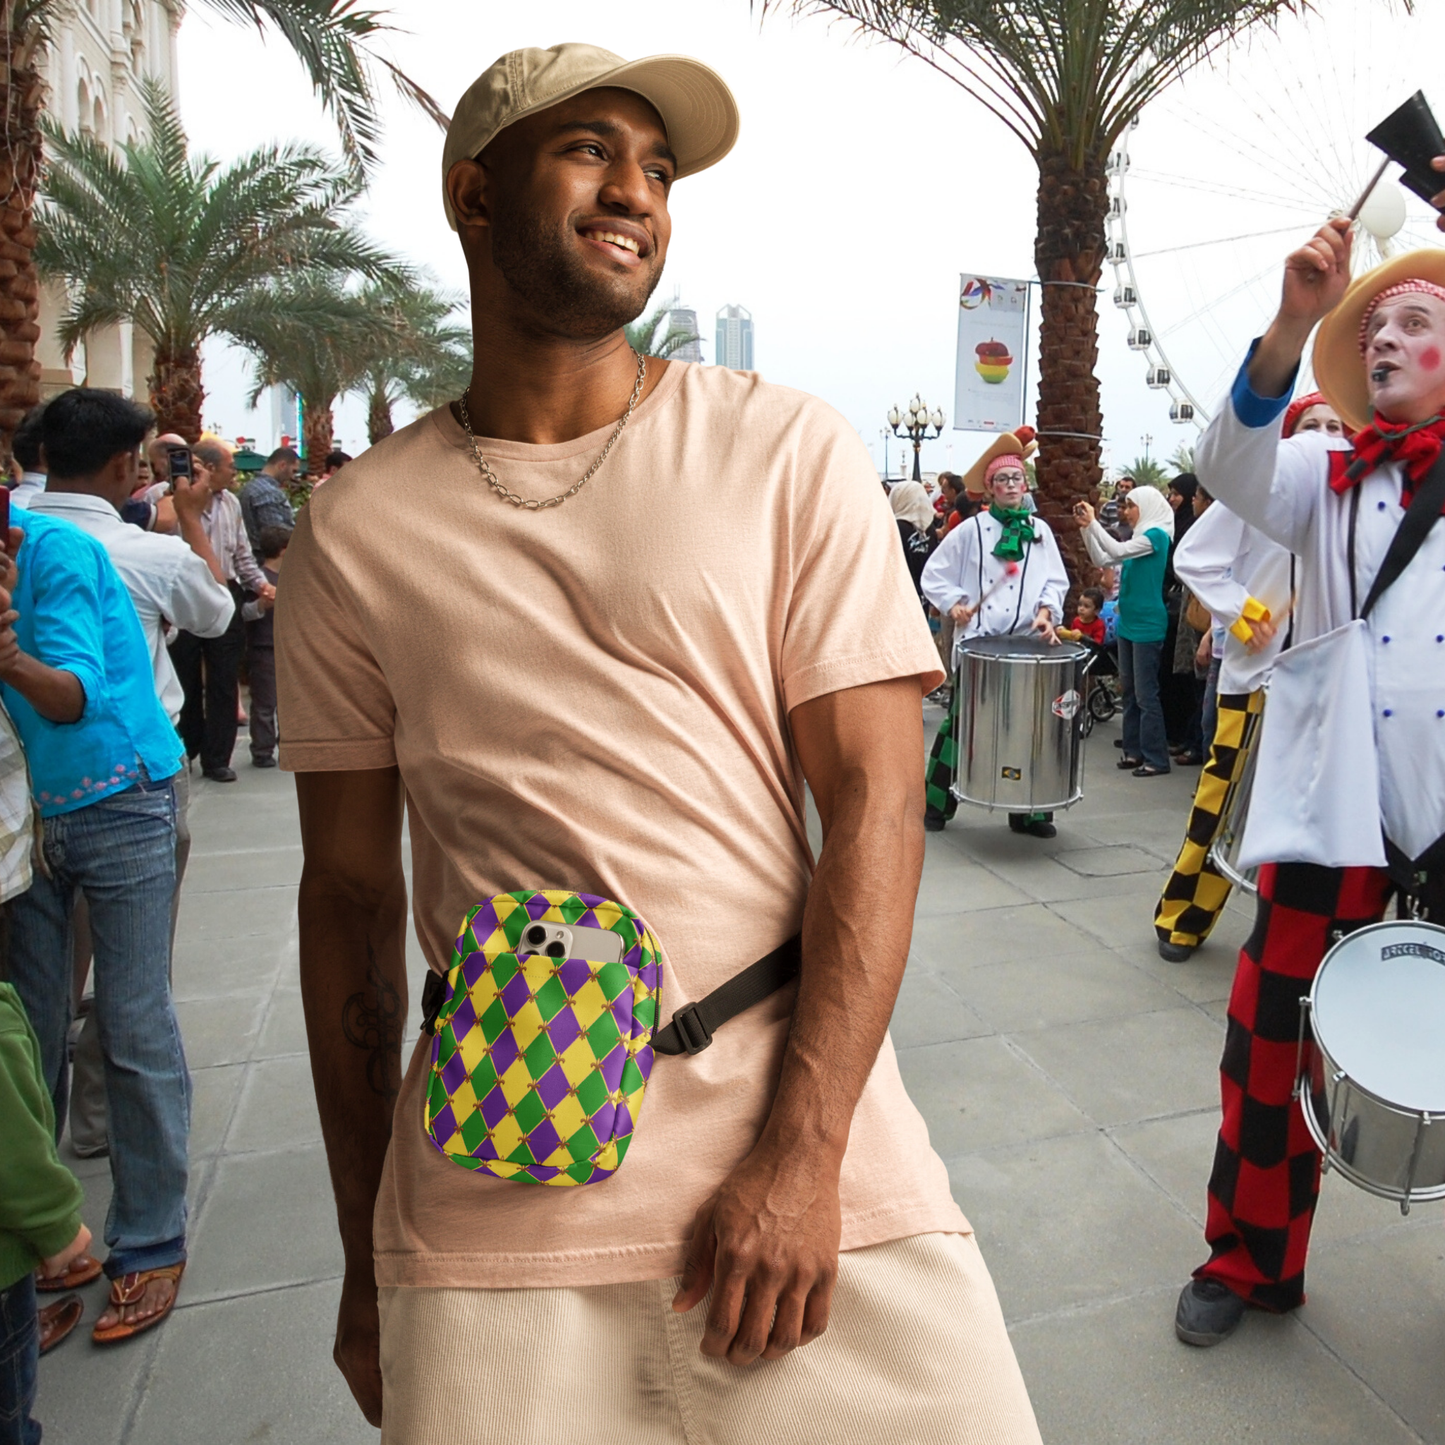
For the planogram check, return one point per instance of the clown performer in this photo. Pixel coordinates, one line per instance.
(1354, 734)
(1242, 578)
(997, 573)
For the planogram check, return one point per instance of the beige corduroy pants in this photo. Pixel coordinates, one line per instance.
(916, 1353)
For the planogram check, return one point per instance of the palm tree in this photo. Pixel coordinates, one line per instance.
(184, 249)
(1066, 77)
(428, 360)
(1146, 472)
(1182, 458)
(648, 337)
(335, 41)
(319, 363)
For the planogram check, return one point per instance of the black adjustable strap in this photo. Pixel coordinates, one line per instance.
(694, 1024)
(1422, 514)
(433, 996)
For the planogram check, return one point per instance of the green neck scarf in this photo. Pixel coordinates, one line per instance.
(1018, 530)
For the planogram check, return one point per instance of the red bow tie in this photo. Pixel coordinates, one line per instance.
(1415, 448)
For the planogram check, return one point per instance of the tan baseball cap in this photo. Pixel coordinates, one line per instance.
(693, 100)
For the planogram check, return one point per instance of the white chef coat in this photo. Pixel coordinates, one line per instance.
(167, 582)
(1282, 487)
(963, 568)
(1224, 562)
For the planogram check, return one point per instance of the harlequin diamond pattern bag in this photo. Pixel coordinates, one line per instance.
(539, 1064)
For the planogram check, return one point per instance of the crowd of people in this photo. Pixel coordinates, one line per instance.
(135, 584)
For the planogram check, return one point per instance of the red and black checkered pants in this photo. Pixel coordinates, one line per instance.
(1266, 1175)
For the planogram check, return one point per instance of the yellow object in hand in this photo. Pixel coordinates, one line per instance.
(1254, 611)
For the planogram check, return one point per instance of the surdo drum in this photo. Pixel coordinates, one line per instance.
(1372, 1089)
(1020, 723)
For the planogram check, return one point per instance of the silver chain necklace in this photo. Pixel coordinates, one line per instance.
(532, 504)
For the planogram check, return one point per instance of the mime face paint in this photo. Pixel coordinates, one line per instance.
(1403, 353)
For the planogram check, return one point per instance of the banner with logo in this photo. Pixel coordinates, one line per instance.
(993, 332)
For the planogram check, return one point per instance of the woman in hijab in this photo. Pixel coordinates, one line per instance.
(1143, 621)
(918, 525)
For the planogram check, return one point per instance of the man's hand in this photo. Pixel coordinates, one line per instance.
(55, 1265)
(962, 615)
(190, 498)
(1315, 279)
(1262, 633)
(1204, 653)
(767, 1244)
(1044, 626)
(1438, 200)
(357, 1351)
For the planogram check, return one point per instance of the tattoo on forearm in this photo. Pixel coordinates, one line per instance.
(371, 1019)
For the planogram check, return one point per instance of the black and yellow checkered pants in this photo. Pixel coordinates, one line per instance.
(1196, 892)
(943, 761)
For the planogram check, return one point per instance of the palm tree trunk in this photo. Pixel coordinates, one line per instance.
(22, 94)
(1069, 252)
(176, 391)
(378, 417)
(318, 427)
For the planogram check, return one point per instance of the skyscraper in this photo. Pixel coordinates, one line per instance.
(734, 338)
(683, 318)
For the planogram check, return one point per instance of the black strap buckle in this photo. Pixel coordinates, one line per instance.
(692, 1032)
(433, 996)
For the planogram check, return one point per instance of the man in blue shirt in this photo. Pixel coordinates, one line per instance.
(76, 677)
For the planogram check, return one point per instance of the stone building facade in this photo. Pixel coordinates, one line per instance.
(101, 52)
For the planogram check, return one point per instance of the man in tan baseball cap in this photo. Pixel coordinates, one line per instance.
(625, 609)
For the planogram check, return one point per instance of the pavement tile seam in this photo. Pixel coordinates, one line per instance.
(222, 1297)
(1360, 1380)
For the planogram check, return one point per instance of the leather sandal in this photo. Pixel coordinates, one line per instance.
(130, 1289)
(83, 1269)
(58, 1320)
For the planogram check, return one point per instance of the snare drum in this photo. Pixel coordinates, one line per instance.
(1373, 1087)
(1019, 724)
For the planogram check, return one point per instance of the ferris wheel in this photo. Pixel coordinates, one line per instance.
(1217, 180)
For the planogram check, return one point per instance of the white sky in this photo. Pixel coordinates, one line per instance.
(862, 185)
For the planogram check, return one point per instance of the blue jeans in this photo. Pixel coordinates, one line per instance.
(120, 853)
(1144, 735)
(19, 1362)
(1210, 719)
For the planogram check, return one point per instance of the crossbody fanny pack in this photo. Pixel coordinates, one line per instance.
(539, 1064)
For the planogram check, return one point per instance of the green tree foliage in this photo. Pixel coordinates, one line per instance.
(185, 248)
(649, 338)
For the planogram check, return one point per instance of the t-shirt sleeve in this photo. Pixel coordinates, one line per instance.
(334, 704)
(853, 616)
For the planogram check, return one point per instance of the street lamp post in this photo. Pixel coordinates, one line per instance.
(913, 422)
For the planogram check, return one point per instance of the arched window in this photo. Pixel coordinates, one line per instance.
(99, 125)
(82, 99)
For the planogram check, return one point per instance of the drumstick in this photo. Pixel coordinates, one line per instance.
(1011, 570)
(1359, 205)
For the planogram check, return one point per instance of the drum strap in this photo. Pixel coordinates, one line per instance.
(1420, 880)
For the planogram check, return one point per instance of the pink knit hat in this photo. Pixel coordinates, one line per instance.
(1009, 461)
(1412, 287)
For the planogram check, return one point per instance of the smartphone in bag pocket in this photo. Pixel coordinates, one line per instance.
(559, 940)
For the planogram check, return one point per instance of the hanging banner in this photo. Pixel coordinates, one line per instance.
(993, 333)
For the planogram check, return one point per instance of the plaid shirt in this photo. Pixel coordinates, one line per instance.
(226, 531)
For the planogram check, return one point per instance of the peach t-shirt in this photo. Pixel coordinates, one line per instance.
(596, 697)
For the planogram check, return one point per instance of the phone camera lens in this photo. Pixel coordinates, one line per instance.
(556, 949)
(536, 935)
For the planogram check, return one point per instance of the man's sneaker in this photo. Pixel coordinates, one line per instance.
(221, 775)
(1176, 952)
(1208, 1312)
(1036, 826)
(265, 760)
(934, 820)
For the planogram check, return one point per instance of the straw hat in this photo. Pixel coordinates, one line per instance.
(1019, 444)
(1339, 368)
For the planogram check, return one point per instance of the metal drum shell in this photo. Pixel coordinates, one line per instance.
(1019, 724)
(1224, 850)
(1383, 1146)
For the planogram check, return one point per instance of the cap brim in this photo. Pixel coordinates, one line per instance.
(1338, 365)
(697, 109)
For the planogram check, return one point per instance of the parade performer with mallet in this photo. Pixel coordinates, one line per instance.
(1362, 688)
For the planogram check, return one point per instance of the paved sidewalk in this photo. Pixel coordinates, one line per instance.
(1068, 1077)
